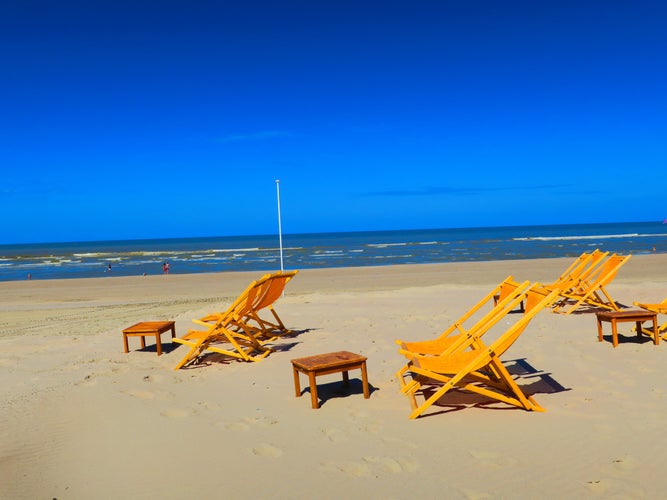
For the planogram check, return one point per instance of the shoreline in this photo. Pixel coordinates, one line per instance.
(83, 419)
(639, 267)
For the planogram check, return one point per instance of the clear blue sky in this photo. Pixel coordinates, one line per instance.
(138, 119)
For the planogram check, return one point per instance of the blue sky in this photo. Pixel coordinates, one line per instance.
(140, 119)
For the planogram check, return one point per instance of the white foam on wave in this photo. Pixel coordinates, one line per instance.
(588, 237)
(384, 245)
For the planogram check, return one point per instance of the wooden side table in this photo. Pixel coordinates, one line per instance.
(324, 364)
(149, 328)
(632, 315)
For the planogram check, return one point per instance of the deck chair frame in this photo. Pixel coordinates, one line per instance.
(453, 336)
(660, 308)
(477, 368)
(234, 327)
(592, 289)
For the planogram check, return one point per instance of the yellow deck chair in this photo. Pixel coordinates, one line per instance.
(474, 321)
(502, 295)
(229, 328)
(591, 290)
(660, 308)
(580, 269)
(507, 287)
(476, 367)
(263, 294)
(275, 286)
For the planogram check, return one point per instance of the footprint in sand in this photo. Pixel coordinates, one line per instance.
(626, 463)
(237, 426)
(176, 413)
(356, 469)
(146, 394)
(267, 450)
(334, 435)
(248, 422)
(373, 466)
(374, 428)
(391, 465)
(474, 495)
(492, 459)
(88, 380)
(403, 443)
(597, 486)
(261, 421)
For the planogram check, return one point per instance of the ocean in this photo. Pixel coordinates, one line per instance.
(319, 250)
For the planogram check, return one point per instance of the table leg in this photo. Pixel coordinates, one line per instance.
(364, 380)
(313, 391)
(158, 343)
(656, 334)
(143, 341)
(600, 330)
(173, 330)
(614, 332)
(346, 378)
(297, 384)
(127, 349)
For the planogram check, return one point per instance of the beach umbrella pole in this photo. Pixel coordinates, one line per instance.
(280, 228)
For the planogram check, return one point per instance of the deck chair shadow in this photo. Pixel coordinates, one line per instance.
(660, 308)
(476, 367)
(591, 290)
(474, 321)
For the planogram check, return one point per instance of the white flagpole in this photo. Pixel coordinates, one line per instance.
(280, 229)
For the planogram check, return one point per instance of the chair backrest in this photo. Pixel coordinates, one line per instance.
(507, 288)
(504, 291)
(605, 272)
(537, 298)
(580, 269)
(275, 285)
(236, 308)
(515, 294)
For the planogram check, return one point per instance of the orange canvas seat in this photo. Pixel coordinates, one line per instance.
(473, 366)
(275, 286)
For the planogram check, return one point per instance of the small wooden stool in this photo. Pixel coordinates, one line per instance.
(633, 315)
(149, 328)
(324, 364)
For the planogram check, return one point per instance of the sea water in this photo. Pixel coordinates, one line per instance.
(318, 250)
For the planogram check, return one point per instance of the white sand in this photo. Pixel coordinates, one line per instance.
(81, 419)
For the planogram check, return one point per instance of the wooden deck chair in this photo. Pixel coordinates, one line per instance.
(475, 367)
(506, 289)
(226, 327)
(512, 296)
(660, 308)
(591, 289)
(275, 286)
(262, 295)
(581, 268)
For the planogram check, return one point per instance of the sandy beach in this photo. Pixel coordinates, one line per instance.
(82, 419)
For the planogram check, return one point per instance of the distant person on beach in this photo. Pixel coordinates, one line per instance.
(108, 268)
(165, 267)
